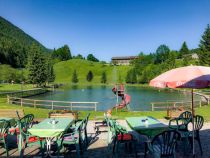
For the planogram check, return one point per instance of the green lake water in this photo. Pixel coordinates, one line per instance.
(141, 98)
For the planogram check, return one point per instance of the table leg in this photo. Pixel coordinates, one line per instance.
(48, 143)
(48, 146)
(20, 142)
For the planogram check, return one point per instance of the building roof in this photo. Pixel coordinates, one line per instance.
(125, 58)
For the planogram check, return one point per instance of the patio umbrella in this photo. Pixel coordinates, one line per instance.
(184, 77)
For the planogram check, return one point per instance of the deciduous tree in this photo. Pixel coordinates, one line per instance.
(91, 57)
(62, 53)
(162, 54)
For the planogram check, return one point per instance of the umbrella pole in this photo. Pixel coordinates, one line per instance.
(193, 123)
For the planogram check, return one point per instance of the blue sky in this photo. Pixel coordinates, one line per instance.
(109, 28)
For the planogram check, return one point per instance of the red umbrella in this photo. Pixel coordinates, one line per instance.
(184, 77)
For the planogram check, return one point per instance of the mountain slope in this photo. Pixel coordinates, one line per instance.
(64, 71)
(14, 44)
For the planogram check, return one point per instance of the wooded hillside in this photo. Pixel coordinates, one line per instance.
(14, 44)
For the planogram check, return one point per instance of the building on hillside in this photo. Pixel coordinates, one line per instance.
(192, 56)
(195, 56)
(124, 60)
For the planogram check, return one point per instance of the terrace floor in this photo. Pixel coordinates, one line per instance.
(98, 146)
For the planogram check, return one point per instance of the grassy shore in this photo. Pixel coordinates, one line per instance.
(14, 87)
(43, 113)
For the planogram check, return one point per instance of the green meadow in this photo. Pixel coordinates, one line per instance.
(14, 87)
(64, 71)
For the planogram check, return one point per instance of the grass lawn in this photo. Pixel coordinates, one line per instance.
(64, 71)
(43, 113)
(14, 87)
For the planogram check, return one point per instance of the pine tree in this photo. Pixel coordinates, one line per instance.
(103, 77)
(50, 71)
(74, 77)
(89, 76)
(184, 50)
(204, 52)
(185, 61)
(62, 53)
(37, 66)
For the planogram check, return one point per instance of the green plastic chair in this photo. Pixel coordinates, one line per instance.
(73, 138)
(120, 135)
(26, 139)
(4, 127)
(163, 145)
(181, 123)
(27, 121)
(85, 132)
(198, 124)
(103, 123)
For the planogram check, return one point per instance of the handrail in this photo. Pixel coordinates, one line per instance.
(174, 104)
(36, 103)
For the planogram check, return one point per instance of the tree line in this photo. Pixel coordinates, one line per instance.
(146, 67)
(15, 44)
(64, 53)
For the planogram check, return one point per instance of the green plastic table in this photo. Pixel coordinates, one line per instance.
(150, 129)
(46, 129)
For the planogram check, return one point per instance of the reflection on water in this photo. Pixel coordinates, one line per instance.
(141, 98)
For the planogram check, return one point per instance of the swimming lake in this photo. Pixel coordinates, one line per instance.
(141, 97)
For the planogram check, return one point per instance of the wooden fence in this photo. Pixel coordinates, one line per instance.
(176, 104)
(52, 104)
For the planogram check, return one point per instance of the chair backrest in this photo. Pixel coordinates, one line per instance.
(186, 115)
(87, 119)
(198, 122)
(111, 131)
(27, 120)
(186, 118)
(165, 142)
(4, 127)
(78, 127)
